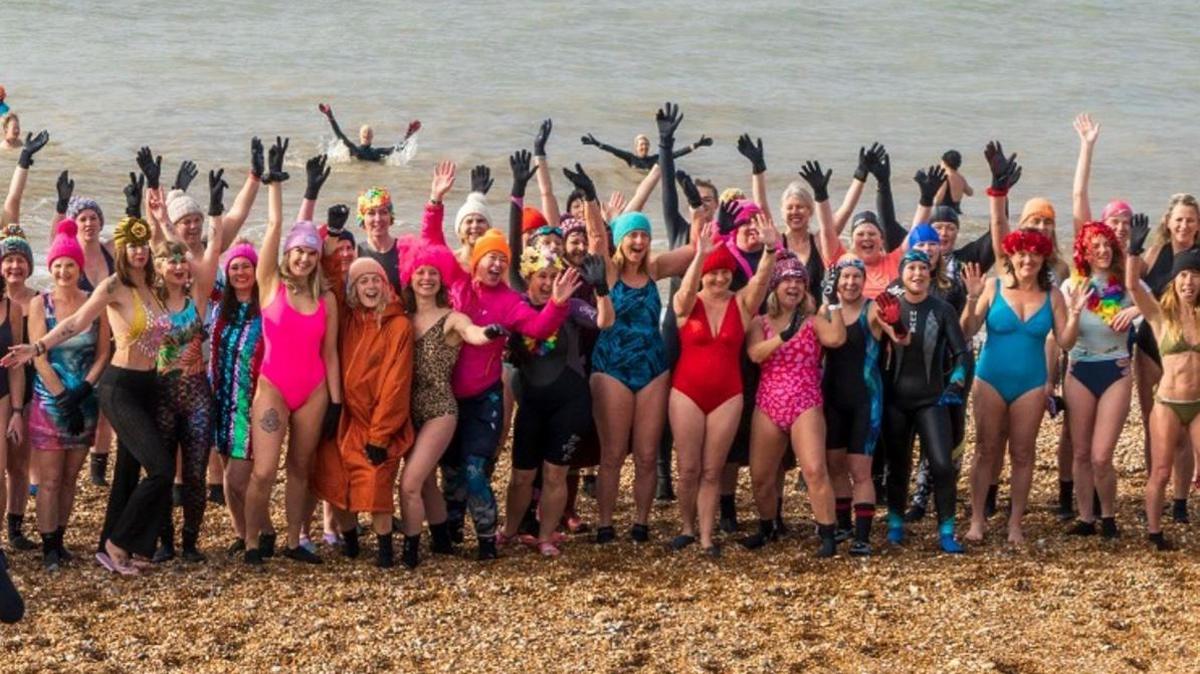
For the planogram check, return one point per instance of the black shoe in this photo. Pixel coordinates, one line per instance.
(439, 543)
(1082, 528)
(681, 541)
(16, 537)
(177, 496)
(385, 555)
(842, 535)
(589, 485)
(266, 545)
(713, 551)
(192, 555)
(664, 491)
(915, 514)
(298, 554)
(1179, 511)
(97, 469)
(766, 534)
(164, 553)
(487, 549)
(216, 494)
(860, 549)
(728, 525)
(605, 535)
(640, 533)
(1160, 543)
(1066, 500)
(51, 560)
(456, 531)
(1108, 528)
(350, 547)
(828, 543)
(253, 558)
(238, 545)
(63, 553)
(412, 551)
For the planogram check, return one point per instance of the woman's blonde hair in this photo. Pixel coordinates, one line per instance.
(619, 260)
(315, 284)
(1171, 310)
(1162, 235)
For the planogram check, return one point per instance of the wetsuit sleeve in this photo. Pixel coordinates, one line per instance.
(683, 152)
(541, 324)
(678, 227)
(395, 395)
(978, 251)
(958, 353)
(431, 224)
(623, 155)
(894, 232)
(582, 313)
(337, 131)
(515, 244)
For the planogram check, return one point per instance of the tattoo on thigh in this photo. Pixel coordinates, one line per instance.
(270, 421)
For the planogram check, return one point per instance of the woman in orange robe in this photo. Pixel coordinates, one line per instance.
(356, 471)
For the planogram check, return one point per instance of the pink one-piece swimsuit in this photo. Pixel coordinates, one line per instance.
(292, 348)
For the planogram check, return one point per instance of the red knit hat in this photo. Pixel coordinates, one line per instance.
(720, 258)
(531, 219)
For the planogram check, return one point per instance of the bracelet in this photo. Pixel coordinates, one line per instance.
(39, 348)
(434, 202)
(995, 192)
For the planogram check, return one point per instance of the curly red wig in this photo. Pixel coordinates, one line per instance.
(1028, 240)
(1083, 242)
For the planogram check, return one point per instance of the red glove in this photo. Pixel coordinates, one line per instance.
(889, 312)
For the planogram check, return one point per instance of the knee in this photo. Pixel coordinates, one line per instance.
(646, 463)
(711, 475)
(815, 472)
(1102, 465)
(1160, 475)
(522, 479)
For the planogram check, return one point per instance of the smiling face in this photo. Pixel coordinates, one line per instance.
(641, 145)
(541, 285)
(1187, 287)
(377, 220)
(472, 227)
(1183, 223)
(174, 270)
(65, 272)
(365, 135)
(867, 243)
(89, 225)
(635, 246)
(137, 256)
(790, 293)
(1120, 224)
(933, 250)
(491, 268)
(797, 213)
(188, 229)
(426, 281)
(850, 285)
(301, 261)
(716, 280)
(708, 201)
(371, 290)
(344, 252)
(15, 269)
(916, 278)
(947, 234)
(1099, 254)
(1026, 265)
(749, 236)
(575, 247)
(240, 274)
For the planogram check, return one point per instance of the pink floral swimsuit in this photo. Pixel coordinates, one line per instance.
(791, 377)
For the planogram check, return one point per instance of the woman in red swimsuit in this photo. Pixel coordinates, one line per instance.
(706, 392)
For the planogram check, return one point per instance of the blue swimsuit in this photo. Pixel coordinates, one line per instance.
(1013, 359)
(632, 351)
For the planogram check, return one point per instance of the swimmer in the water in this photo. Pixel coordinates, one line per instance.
(956, 186)
(641, 158)
(12, 132)
(366, 134)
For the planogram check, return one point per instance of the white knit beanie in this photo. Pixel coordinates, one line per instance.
(476, 203)
(180, 204)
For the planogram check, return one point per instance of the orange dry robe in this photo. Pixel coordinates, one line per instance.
(377, 368)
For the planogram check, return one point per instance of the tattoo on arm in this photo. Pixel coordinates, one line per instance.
(111, 288)
(270, 421)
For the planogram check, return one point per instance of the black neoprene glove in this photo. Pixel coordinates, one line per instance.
(275, 155)
(752, 151)
(1139, 231)
(595, 273)
(316, 173)
(818, 181)
(543, 135)
(33, 144)
(65, 187)
(793, 326)
(494, 330)
(216, 192)
(257, 166)
(186, 174)
(336, 218)
(481, 179)
(690, 191)
(133, 195)
(523, 170)
(929, 181)
(582, 181)
(667, 119)
(727, 217)
(150, 165)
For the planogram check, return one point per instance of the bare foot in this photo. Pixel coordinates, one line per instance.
(1016, 536)
(975, 533)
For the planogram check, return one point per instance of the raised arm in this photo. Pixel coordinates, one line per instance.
(542, 171)
(753, 152)
(267, 271)
(204, 271)
(1088, 132)
(928, 181)
(755, 291)
(337, 130)
(685, 298)
(1139, 230)
(523, 169)
(625, 156)
(895, 235)
(668, 118)
(1005, 173)
(866, 158)
(644, 189)
(1066, 314)
(704, 141)
(818, 180)
(16, 189)
(316, 172)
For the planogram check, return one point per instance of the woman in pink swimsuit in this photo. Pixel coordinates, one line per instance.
(299, 390)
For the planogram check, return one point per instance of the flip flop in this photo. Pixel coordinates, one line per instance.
(113, 566)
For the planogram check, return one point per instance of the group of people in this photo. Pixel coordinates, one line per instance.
(398, 365)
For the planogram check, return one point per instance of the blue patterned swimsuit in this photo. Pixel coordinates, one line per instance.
(632, 351)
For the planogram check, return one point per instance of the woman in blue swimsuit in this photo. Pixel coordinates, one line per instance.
(1020, 309)
(630, 376)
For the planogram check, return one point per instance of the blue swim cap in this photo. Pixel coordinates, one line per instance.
(923, 233)
(625, 223)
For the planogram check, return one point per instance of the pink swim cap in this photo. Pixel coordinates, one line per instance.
(1116, 207)
(303, 235)
(749, 210)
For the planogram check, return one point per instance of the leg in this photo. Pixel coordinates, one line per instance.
(767, 445)
(270, 421)
(419, 469)
(520, 492)
(1110, 420)
(1146, 373)
(1082, 421)
(898, 425)
(990, 411)
(554, 499)
(1165, 434)
(719, 429)
(49, 465)
(236, 481)
(1025, 419)
(937, 445)
(196, 445)
(650, 407)
(303, 437)
(613, 404)
(70, 480)
(808, 442)
(688, 429)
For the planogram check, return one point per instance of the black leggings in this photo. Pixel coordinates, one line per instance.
(932, 424)
(136, 507)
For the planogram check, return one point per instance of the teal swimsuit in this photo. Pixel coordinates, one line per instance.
(632, 351)
(1013, 359)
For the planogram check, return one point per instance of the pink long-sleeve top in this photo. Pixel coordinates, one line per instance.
(479, 367)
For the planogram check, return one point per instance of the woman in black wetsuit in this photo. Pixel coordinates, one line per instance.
(926, 374)
(640, 158)
(366, 134)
